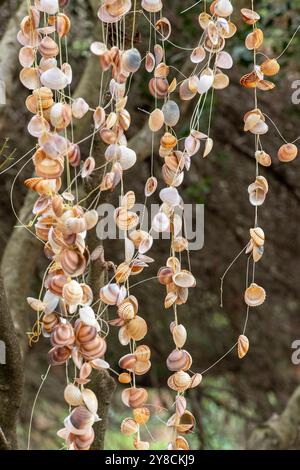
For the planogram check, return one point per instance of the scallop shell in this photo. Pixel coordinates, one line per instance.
(179, 335)
(184, 279)
(142, 367)
(49, 322)
(54, 78)
(129, 427)
(254, 40)
(156, 120)
(137, 328)
(141, 415)
(179, 360)
(249, 16)
(72, 262)
(152, 6)
(255, 295)
(72, 395)
(263, 158)
(83, 442)
(287, 153)
(134, 397)
(243, 346)
(112, 294)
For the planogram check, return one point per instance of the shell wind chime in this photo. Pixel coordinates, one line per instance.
(66, 311)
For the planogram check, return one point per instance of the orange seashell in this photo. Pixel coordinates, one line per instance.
(270, 67)
(124, 378)
(142, 353)
(249, 16)
(50, 321)
(43, 226)
(287, 153)
(141, 415)
(250, 80)
(254, 40)
(43, 186)
(46, 167)
(137, 328)
(243, 346)
(63, 24)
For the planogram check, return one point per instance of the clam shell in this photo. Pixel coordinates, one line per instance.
(255, 295)
(196, 380)
(88, 167)
(37, 126)
(47, 6)
(129, 427)
(142, 353)
(54, 78)
(112, 294)
(72, 395)
(164, 28)
(124, 378)
(156, 120)
(72, 292)
(134, 397)
(90, 400)
(150, 186)
(263, 158)
(131, 60)
(29, 77)
(204, 18)
(127, 157)
(26, 56)
(258, 236)
(137, 328)
(170, 196)
(221, 81)
(60, 115)
(149, 62)
(48, 47)
(63, 24)
(287, 153)
(59, 355)
(142, 367)
(128, 362)
(180, 381)
(270, 67)
(184, 279)
(243, 346)
(188, 88)
(224, 60)
(255, 39)
(198, 55)
(171, 113)
(79, 108)
(158, 87)
(141, 415)
(179, 360)
(81, 419)
(152, 6)
(179, 335)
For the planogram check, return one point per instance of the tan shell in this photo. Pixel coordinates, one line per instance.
(249, 16)
(143, 353)
(263, 158)
(255, 295)
(255, 39)
(287, 153)
(180, 244)
(150, 186)
(243, 346)
(258, 236)
(186, 423)
(90, 400)
(141, 415)
(179, 359)
(50, 321)
(270, 67)
(128, 362)
(179, 381)
(179, 335)
(137, 328)
(129, 426)
(72, 395)
(196, 380)
(181, 444)
(184, 279)
(142, 367)
(134, 397)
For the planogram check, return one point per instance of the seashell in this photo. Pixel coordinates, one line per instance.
(170, 196)
(141, 445)
(54, 78)
(56, 284)
(172, 86)
(27, 56)
(162, 70)
(204, 18)
(111, 120)
(81, 419)
(168, 141)
(270, 67)
(164, 28)
(127, 157)
(112, 294)
(156, 120)
(180, 404)
(49, 322)
(126, 220)
(87, 316)
(46, 64)
(98, 48)
(160, 222)
(72, 262)
(131, 60)
(47, 6)
(180, 443)
(250, 80)
(142, 353)
(37, 126)
(196, 380)
(263, 158)
(122, 273)
(134, 397)
(254, 295)
(35, 304)
(152, 6)
(158, 87)
(72, 293)
(249, 16)
(224, 60)
(258, 190)
(188, 88)
(42, 186)
(90, 400)
(60, 115)
(48, 47)
(129, 427)
(43, 225)
(79, 108)
(198, 55)
(184, 279)
(212, 48)
(149, 62)
(141, 415)
(205, 81)
(88, 167)
(191, 145)
(180, 381)
(128, 308)
(83, 442)
(158, 53)
(179, 360)
(258, 236)
(223, 8)
(137, 328)
(128, 362)
(231, 32)
(74, 155)
(58, 356)
(63, 24)
(170, 299)
(186, 423)
(47, 167)
(254, 39)
(265, 85)
(179, 335)
(124, 119)
(165, 275)
(150, 186)
(171, 113)
(287, 153)
(141, 367)
(221, 81)
(243, 346)
(124, 378)
(212, 32)
(29, 77)
(179, 244)
(72, 395)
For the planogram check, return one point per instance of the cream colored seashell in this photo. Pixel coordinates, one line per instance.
(29, 77)
(287, 153)
(127, 157)
(170, 196)
(152, 6)
(47, 6)
(156, 120)
(205, 81)
(26, 56)
(170, 299)
(179, 335)
(111, 120)
(38, 126)
(188, 88)
(54, 78)
(212, 32)
(243, 346)
(180, 381)
(87, 316)
(98, 48)
(88, 167)
(126, 310)
(129, 427)
(186, 423)
(172, 177)
(223, 27)
(204, 18)
(255, 295)
(196, 379)
(255, 39)
(90, 400)
(48, 47)
(160, 222)
(191, 145)
(131, 60)
(261, 128)
(149, 62)
(143, 353)
(180, 404)
(60, 115)
(123, 272)
(221, 81)
(123, 336)
(126, 220)
(263, 158)
(137, 328)
(184, 279)
(179, 244)
(164, 28)
(112, 294)
(72, 293)
(141, 415)
(72, 395)
(91, 219)
(75, 224)
(258, 190)
(79, 108)
(223, 8)
(198, 55)
(142, 367)
(249, 16)
(179, 360)
(171, 113)
(258, 236)
(150, 186)
(35, 304)
(270, 67)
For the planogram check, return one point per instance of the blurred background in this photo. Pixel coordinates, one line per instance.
(250, 403)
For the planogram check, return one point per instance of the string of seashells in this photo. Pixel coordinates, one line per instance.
(255, 123)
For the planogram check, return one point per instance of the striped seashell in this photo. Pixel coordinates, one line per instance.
(129, 427)
(112, 294)
(49, 322)
(134, 397)
(72, 293)
(59, 355)
(128, 362)
(93, 349)
(48, 47)
(81, 418)
(255, 295)
(179, 360)
(137, 328)
(287, 153)
(43, 186)
(87, 296)
(158, 87)
(180, 381)
(143, 353)
(62, 335)
(142, 367)
(43, 226)
(46, 167)
(84, 442)
(72, 262)
(56, 284)
(126, 310)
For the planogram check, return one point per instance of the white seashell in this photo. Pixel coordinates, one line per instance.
(54, 78)
(47, 6)
(112, 294)
(50, 301)
(152, 6)
(191, 145)
(171, 113)
(260, 128)
(90, 400)
(223, 8)
(79, 108)
(127, 157)
(170, 196)
(198, 55)
(72, 395)
(179, 335)
(87, 316)
(38, 126)
(224, 60)
(131, 60)
(160, 222)
(205, 81)
(98, 48)
(208, 147)
(26, 56)
(184, 279)
(35, 304)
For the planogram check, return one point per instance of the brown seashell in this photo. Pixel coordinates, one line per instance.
(243, 346)
(48, 47)
(250, 80)
(46, 167)
(180, 443)
(249, 16)
(255, 39)
(126, 310)
(63, 24)
(134, 397)
(137, 328)
(50, 321)
(186, 423)
(180, 381)
(142, 353)
(263, 158)
(168, 141)
(142, 367)
(128, 362)
(141, 415)
(43, 226)
(255, 295)
(287, 153)
(129, 427)
(81, 418)
(124, 378)
(83, 442)
(72, 262)
(179, 360)
(270, 67)
(63, 335)
(58, 356)
(158, 87)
